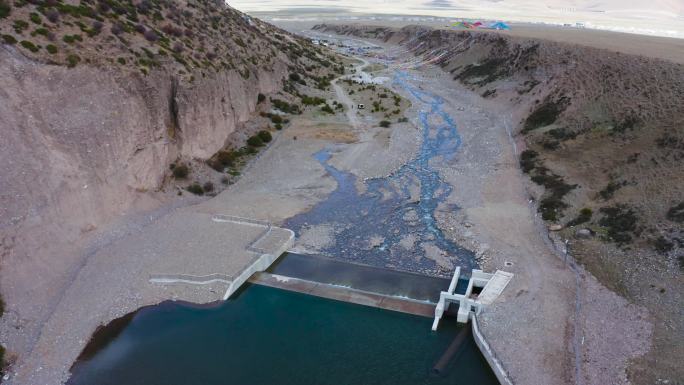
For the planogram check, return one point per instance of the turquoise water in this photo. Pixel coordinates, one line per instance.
(271, 336)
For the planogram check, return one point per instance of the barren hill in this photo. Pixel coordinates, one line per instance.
(603, 140)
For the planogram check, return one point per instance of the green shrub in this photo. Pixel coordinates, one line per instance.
(51, 49)
(5, 9)
(181, 171)
(610, 189)
(227, 158)
(40, 31)
(528, 160)
(295, 77)
(583, 216)
(29, 46)
(276, 119)
(620, 221)
(261, 98)
(278, 126)
(9, 39)
(265, 136)
(72, 60)
(121, 61)
(285, 106)
(20, 26)
(327, 109)
(255, 141)
(385, 123)
(70, 39)
(208, 187)
(196, 189)
(35, 18)
(312, 100)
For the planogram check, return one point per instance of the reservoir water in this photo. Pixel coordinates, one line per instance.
(271, 336)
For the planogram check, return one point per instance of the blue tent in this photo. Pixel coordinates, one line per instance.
(500, 25)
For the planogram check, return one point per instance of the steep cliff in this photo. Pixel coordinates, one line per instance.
(98, 99)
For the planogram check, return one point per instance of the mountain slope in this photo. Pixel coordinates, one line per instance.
(99, 99)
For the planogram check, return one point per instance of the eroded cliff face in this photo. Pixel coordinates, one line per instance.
(87, 145)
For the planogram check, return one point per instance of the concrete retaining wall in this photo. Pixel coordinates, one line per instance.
(488, 354)
(261, 263)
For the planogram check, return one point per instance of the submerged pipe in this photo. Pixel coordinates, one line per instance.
(452, 351)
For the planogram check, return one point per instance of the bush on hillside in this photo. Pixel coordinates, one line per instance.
(265, 136)
(9, 39)
(5, 9)
(181, 171)
(72, 60)
(196, 189)
(29, 46)
(385, 123)
(583, 217)
(620, 221)
(255, 141)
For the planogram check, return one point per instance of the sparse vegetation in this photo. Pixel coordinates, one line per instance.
(610, 189)
(583, 217)
(29, 46)
(255, 141)
(196, 189)
(261, 98)
(385, 123)
(208, 187)
(486, 72)
(265, 136)
(180, 171)
(51, 49)
(312, 100)
(73, 60)
(620, 221)
(5, 9)
(546, 113)
(528, 160)
(9, 39)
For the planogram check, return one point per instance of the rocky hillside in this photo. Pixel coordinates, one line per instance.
(604, 143)
(100, 100)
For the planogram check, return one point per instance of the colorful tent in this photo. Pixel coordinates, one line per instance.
(500, 25)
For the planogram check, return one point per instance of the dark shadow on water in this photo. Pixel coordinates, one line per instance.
(270, 336)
